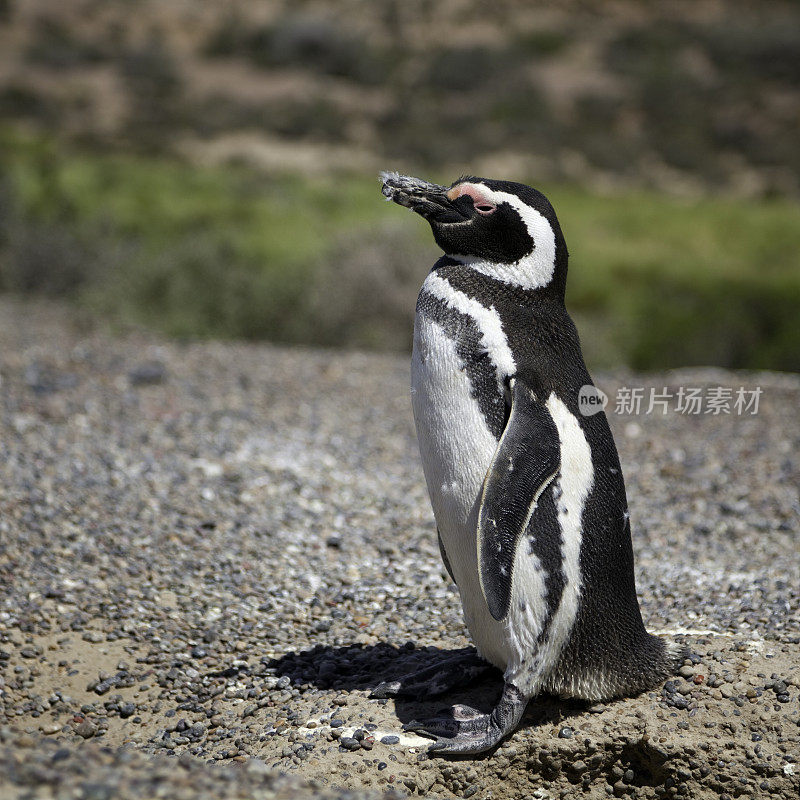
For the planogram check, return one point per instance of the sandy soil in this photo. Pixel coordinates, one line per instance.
(210, 553)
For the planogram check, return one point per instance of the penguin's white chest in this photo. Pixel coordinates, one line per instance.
(455, 440)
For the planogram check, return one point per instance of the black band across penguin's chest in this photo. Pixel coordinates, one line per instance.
(481, 372)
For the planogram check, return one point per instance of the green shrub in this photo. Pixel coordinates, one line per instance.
(466, 68)
(541, 43)
(19, 101)
(228, 39)
(739, 322)
(757, 52)
(49, 259)
(199, 286)
(654, 282)
(364, 291)
(303, 41)
(54, 44)
(153, 82)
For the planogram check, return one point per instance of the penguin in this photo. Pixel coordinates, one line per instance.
(527, 491)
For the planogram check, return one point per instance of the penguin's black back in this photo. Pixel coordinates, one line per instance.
(609, 652)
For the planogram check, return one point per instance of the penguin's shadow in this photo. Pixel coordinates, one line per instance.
(362, 667)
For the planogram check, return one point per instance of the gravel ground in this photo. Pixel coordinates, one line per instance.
(211, 552)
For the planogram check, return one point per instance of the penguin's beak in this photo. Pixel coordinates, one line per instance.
(429, 200)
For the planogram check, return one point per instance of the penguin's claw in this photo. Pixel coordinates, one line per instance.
(460, 729)
(464, 730)
(464, 745)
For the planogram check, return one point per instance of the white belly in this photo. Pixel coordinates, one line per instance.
(457, 448)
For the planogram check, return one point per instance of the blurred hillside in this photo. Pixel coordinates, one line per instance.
(208, 167)
(672, 95)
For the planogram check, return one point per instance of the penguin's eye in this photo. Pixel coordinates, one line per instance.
(485, 209)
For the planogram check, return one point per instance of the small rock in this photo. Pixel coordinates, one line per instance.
(147, 374)
(349, 743)
(50, 728)
(86, 729)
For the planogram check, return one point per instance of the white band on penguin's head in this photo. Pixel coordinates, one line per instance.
(532, 271)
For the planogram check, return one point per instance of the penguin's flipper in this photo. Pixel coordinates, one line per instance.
(527, 458)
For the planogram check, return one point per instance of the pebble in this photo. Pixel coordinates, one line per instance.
(51, 728)
(147, 374)
(350, 743)
(86, 729)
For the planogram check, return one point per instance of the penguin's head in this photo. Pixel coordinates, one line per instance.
(507, 228)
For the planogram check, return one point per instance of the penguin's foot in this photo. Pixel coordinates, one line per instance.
(437, 679)
(464, 730)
